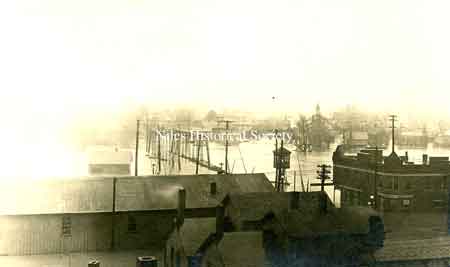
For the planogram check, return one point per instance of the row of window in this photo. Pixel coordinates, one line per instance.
(429, 184)
(394, 183)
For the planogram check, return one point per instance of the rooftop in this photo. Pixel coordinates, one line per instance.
(424, 249)
(305, 221)
(133, 193)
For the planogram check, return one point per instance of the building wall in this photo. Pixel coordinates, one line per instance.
(42, 234)
(421, 192)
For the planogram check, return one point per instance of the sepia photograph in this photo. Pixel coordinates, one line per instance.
(213, 133)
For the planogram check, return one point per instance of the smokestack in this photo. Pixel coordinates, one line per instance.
(181, 206)
(94, 263)
(220, 221)
(424, 159)
(323, 202)
(213, 188)
(295, 199)
(406, 156)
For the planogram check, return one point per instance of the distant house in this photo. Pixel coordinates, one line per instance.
(109, 162)
(80, 215)
(358, 138)
(277, 229)
(414, 139)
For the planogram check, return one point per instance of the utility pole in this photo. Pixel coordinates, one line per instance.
(323, 176)
(197, 161)
(227, 127)
(393, 119)
(375, 200)
(159, 152)
(113, 215)
(137, 150)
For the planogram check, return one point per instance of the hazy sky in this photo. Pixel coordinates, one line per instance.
(60, 56)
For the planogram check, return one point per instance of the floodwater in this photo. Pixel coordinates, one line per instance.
(254, 156)
(257, 157)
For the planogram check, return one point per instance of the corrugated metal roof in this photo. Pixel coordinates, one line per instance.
(132, 193)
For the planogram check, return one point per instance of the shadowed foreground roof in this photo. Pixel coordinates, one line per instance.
(306, 221)
(410, 250)
(132, 193)
(194, 233)
(242, 249)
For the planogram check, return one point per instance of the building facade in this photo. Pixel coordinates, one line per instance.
(391, 183)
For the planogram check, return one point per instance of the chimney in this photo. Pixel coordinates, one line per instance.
(220, 222)
(94, 263)
(406, 156)
(213, 188)
(295, 199)
(181, 206)
(424, 159)
(323, 202)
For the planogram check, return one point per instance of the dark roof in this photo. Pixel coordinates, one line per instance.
(132, 193)
(410, 250)
(350, 220)
(242, 249)
(307, 220)
(255, 206)
(392, 159)
(194, 232)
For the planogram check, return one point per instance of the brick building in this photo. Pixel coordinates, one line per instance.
(398, 184)
(407, 194)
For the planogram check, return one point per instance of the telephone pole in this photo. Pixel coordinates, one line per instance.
(137, 150)
(227, 127)
(323, 176)
(393, 119)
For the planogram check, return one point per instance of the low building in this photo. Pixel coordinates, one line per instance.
(413, 139)
(107, 162)
(356, 139)
(97, 214)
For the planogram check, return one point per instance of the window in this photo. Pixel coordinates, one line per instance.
(387, 183)
(66, 226)
(444, 184)
(132, 227)
(438, 203)
(427, 183)
(178, 261)
(406, 203)
(408, 185)
(395, 183)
